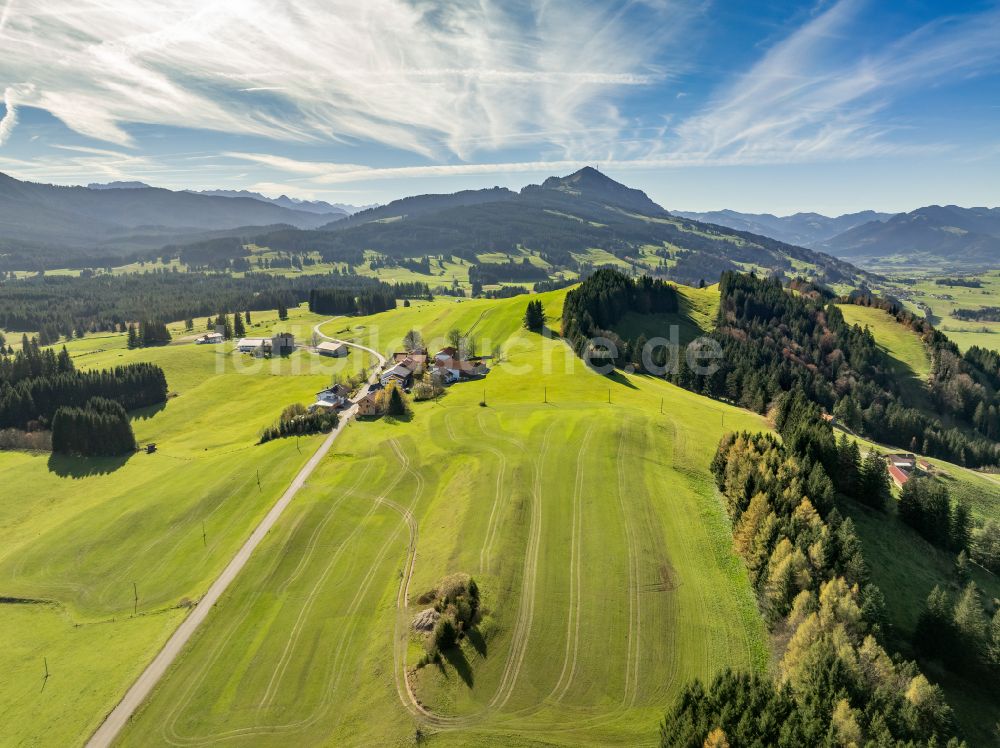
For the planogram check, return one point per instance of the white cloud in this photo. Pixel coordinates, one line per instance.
(813, 97)
(439, 77)
(9, 120)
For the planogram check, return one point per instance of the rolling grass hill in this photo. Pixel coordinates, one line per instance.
(592, 527)
(78, 533)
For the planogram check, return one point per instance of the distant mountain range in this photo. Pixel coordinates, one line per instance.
(945, 234)
(803, 229)
(562, 219)
(42, 221)
(312, 206)
(948, 235)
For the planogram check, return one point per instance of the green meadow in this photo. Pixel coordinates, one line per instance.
(589, 521)
(898, 341)
(82, 538)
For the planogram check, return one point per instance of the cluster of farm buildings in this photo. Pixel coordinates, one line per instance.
(903, 466)
(280, 344)
(404, 368)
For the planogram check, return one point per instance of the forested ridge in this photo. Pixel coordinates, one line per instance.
(773, 341)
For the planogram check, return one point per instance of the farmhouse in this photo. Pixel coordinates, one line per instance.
(209, 337)
(332, 398)
(249, 345)
(415, 361)
(329, 348)
(398, 373)
(368, 405)
(902, 466)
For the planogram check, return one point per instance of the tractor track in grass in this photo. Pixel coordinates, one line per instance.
(526, 609)
(334, 672)
(293, 638)
(575, 580)
(153, 673)
(634, 601)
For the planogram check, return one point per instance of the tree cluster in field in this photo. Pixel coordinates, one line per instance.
(352, 300)
(147, 333)
(100, 428)
(984, 314)
(592, 310)
(63, 306)
(534, 315)
(456, 599)
(963, 282)
(491, 273)
(295, 420)
(836, 685)
(554, 284)
(34, 383)
(504, 292)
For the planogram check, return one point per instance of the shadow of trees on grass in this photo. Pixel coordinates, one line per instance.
(67, 466)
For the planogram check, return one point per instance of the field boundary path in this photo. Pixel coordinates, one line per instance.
(113, 723)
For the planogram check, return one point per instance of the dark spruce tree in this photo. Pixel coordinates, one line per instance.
(534, 315)
(100, 428)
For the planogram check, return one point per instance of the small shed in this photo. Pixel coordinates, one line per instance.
(331, 348)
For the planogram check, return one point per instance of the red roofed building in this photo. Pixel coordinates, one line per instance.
(899, 476)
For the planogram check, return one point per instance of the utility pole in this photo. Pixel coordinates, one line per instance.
(661, 406)
(609, 396)
(135, 591)
(545, 399)
(204, 538)
(258, 479)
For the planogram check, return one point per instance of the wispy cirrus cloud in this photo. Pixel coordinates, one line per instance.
(813, 96)
(445, 77)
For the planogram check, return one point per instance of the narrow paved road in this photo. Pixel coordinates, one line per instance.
(376, 354)
(143, 686)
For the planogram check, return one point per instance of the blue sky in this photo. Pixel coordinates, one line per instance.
(757, 106)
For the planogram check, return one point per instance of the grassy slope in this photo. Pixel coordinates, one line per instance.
(78, 533)
(898, 341)
(699, 308)
(906, 353)
(302, 648)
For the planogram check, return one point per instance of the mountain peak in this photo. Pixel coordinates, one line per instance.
(591, 184)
